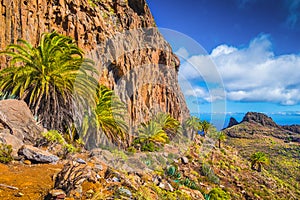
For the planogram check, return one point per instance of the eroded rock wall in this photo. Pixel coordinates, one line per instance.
(120, 35)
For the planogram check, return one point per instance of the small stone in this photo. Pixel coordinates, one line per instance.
(99, 167)
(169, 187)
(161, 185)
(98, 176)
(81, 161)
(19, 194)
(57, 193)
(27, 162)
(184, 160)
(125, 191)
(115, 179)
(90, 191)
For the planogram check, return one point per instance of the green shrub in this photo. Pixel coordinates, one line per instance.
(69, 148)
(218, 194)
(150, 147)
(53, 136)
(207, 171)
(131, 150)
(5, 153)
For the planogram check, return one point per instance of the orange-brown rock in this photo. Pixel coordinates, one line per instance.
(120, 35)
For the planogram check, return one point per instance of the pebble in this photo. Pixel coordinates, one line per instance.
(27, 162)
(81, 161)
(19, 194)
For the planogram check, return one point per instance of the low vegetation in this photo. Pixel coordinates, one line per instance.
(5, 153)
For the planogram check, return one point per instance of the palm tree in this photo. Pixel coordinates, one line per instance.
(152, 132)
(110, 113)
(259, 159)
(221, 137)
(170, 125)
(44, 77)
(205, 126)
(192, 124)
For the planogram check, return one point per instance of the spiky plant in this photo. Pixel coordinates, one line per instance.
(169, 124)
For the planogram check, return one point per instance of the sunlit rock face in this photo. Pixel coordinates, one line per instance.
(132, 57)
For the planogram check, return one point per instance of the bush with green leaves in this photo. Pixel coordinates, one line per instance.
(5, 153)
(217, 194)
(53, 137)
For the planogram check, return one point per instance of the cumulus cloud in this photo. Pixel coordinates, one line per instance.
(253, 73)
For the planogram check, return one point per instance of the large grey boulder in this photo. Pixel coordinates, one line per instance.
(37, 155)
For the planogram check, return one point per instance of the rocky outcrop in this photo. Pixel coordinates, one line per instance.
(232, 122)
(17, 124)
(293, 128)
(120, 35)
(256, 124)
(260, 118)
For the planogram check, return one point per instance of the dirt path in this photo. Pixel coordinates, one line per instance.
(33, 181)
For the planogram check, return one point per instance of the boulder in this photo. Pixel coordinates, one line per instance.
(72, 176)
(16, 143)
(37, 155)
(184, 160)
(17, 120)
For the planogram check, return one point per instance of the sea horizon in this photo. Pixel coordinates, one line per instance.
(221, 120)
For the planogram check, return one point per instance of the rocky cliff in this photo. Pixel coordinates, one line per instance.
(119, 35)
(256, 124)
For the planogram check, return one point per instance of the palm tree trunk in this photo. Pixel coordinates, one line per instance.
(259, 167)
(219, 144)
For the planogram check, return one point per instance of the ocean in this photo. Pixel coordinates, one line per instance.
(221, 121)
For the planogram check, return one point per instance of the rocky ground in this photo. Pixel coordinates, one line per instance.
(181, 170)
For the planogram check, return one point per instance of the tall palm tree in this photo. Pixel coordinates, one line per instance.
(205, 126)
(221, 137)
(192, 124)
(169, 124)
(259, 159)
(44, 77)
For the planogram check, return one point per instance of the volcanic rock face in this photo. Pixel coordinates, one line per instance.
(131, 55)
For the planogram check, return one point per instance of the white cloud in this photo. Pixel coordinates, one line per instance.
(253, 73)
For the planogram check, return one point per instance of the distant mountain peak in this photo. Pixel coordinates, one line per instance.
(232, 122)
(260, 118)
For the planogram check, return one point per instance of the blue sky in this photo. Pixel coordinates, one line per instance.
(253, 46)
